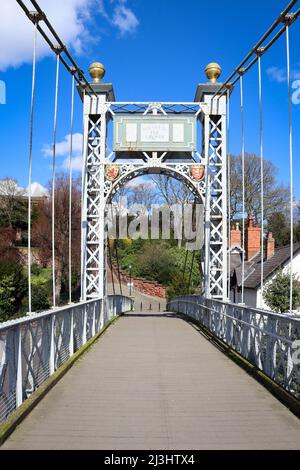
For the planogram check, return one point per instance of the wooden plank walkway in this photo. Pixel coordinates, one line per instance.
(154, 382)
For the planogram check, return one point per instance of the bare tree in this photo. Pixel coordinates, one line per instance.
(172, 191)
(11, 205)
(42, 231)
(144, 193)
(276, 195)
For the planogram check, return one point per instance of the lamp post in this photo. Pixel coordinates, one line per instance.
(130, 280)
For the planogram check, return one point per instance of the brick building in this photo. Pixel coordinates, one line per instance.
(275, 259)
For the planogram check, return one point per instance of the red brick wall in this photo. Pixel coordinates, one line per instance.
(236, 236)
(253, 239)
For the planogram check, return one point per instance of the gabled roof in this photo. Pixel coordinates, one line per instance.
(253, 266)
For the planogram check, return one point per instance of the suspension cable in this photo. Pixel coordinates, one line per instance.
(111, 266)
(262, 216)
(229, 189)
(118, 266)
(288, 66)
(243, 184)
(53, 180)
(71, 187)
(30, 165)
(191, 270)
(184, 266)
(109, 249)
(79, 74)
(243, 65)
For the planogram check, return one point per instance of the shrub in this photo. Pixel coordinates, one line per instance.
(36, 269)
(12, 289)
(7, 297)
(155, 263)
(277, 294)
(39, 299)
(179, 285)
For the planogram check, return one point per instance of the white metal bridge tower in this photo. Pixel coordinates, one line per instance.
(185, 140)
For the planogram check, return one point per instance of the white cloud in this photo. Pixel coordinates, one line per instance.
(139, 182)
(124, 19)
(63, 150)
(16, 31)
(72, 19)
(63, 147)
(76, 163)
(279, 74)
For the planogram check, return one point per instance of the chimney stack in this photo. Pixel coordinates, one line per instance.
(270, 245)
(253, 238)
(235, 236)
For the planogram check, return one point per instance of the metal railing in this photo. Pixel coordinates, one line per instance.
(267, 340)
(34, 347)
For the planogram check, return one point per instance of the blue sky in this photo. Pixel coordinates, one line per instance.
(152, 50)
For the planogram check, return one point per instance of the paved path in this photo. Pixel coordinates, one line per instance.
(142, 301)
(154, 382)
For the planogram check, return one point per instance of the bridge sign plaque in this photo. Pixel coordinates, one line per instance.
(155, 133)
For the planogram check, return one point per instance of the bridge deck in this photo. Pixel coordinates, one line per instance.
(156, 382)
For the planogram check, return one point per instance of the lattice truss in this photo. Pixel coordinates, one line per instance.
(100, 189)
(216, 182)
(94, 188)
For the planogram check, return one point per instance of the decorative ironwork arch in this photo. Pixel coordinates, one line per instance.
(98, 186)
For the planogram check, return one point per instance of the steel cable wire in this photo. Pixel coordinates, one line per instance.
(30, 165)
(229, 189)
(243, 184)
(71, 186)
(288, 67)
(53, 182)
(262, 215)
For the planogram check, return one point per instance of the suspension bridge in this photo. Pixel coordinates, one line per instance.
(208, 373)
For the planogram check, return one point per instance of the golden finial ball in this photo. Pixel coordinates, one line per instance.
(213, 71)
(97, 71)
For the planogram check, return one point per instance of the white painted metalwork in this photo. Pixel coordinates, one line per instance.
(262, 212)
(53, 182)
(228, 191)
(214, 145)
(30, 163)
(71, 186)
(98, 188)
(288, 68)
(264, 338)
(33, 348)
(243, 183)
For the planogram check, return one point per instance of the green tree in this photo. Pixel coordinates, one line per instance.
(277, 294)
(40, 300)
(278, 225)
(189, 262)
(12, 289)
(155, 263)
(13, 206)
(7, 297)
(179, 285)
